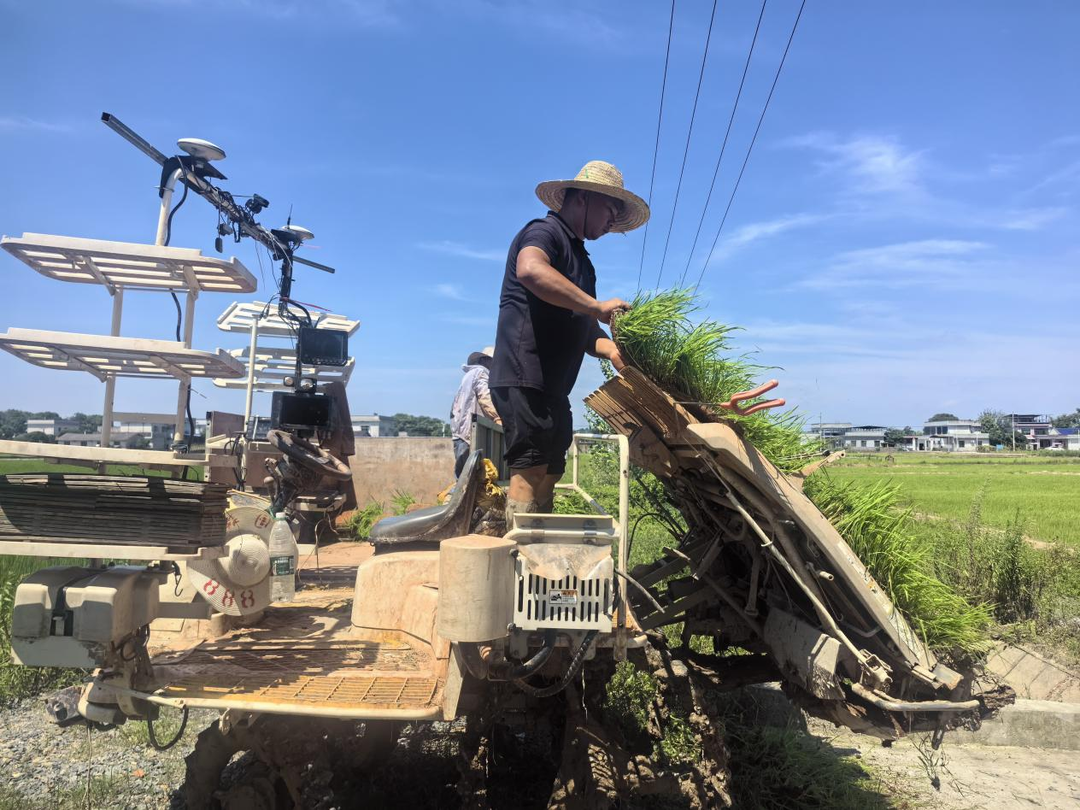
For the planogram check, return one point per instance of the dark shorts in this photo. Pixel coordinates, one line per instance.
(538, 428)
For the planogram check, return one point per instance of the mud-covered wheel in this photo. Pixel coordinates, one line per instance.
(260, 787)
(204, 766)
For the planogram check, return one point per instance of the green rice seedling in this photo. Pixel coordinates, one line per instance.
(693, 361)
(882, 535)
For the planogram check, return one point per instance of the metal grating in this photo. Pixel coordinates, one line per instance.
(359, 691)
(128, 265)
(300, 658)
(239, 316)
(535, 606)
(274, 364)
(104, 356)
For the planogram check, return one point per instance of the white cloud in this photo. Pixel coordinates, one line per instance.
(757, 231)
(464, 251)
(871, 164)
(938, 263)
(451, 291)
(15, 123)
(1031, 219)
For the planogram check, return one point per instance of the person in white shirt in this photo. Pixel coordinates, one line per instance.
(472, 398)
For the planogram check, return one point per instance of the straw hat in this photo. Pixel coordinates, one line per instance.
(476, 357)
(602, 177)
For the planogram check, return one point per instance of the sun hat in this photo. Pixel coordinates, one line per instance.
(603, 178)
(476, 357)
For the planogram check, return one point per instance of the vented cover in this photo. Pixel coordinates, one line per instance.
(564, 586)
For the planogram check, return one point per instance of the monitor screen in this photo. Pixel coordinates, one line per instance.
(323, 347)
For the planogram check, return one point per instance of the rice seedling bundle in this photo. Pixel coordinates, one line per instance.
(695, 364)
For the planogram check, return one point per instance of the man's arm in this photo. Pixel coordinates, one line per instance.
(483, 398)
(534, 270)
(600, 345)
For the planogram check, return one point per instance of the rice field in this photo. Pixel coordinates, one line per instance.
(1042, 491)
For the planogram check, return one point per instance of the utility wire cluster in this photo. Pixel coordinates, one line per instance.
(723, 146)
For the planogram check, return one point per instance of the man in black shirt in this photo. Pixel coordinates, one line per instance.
(549, 318)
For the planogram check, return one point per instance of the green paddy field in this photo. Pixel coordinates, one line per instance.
(1042, 491)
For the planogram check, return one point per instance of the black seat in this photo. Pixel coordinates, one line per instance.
(436, 523)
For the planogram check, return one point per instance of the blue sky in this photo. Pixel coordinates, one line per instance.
(904, 240)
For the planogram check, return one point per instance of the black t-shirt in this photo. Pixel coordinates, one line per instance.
(539, 345)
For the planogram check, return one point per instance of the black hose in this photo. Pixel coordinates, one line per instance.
(153, 738)
(533, 664)
(576, 663)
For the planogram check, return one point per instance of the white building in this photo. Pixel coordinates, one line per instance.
(127, 440)
(373, 425)
(51, 427)
(953, 435)
(864, 437)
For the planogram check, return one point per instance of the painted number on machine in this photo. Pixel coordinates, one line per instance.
(565, 596)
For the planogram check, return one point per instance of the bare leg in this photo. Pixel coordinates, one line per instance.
(545, 498)
(526, 487)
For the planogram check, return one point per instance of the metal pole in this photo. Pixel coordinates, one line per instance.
(110, 381)
(251, 370)
(185, 382)
(624, 526)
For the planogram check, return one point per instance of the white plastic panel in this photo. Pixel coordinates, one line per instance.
(274, 363)
(102, 355)
(129, 264)
(238, 317)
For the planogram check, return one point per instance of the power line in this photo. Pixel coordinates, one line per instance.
(752, 141)
(689, 133)
(656, 148)
(723, 146)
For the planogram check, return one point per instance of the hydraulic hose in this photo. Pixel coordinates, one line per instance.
(576, 664)
(518, 671)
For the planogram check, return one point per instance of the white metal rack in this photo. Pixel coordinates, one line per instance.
(120, 266)
(272, 364)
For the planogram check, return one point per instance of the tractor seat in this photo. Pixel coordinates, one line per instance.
(436, 523)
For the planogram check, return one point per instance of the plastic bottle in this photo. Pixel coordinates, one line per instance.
(283, 554)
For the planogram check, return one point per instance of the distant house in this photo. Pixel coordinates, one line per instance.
(953, 435)
(1034, 426)
(116, 439)
(865, 437)
(1059, 439)
(373, 425)
(51, 427)
(831, 434)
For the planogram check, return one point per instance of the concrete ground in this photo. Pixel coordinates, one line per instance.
(966, 777)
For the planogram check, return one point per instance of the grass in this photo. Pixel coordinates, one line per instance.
(357, 526)
(901, 559)
(1045, 489)
(35, 465)
(16, 681)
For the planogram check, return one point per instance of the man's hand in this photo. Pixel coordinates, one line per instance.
(605, 309)
(606, 349)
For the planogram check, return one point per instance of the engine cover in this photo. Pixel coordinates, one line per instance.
(564, 586)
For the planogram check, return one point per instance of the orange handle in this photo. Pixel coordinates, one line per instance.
(735, 403)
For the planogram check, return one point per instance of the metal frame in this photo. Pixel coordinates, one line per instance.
(621, 523)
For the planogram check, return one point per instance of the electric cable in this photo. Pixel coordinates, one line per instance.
(686, 150)
(153, 737)
(753, 140)
(179, 311)
(723, 146)
(656, 148)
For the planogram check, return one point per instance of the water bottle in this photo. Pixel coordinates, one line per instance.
(282, 561)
